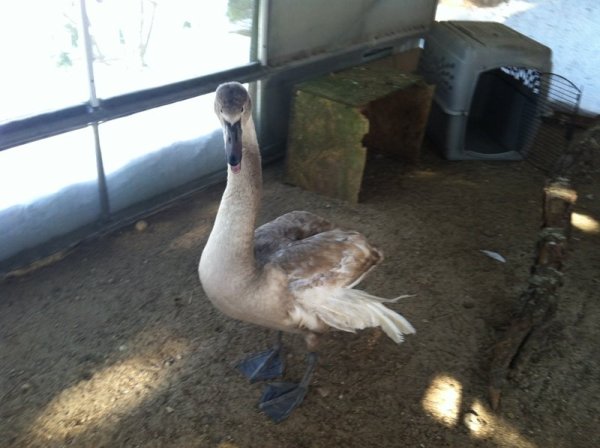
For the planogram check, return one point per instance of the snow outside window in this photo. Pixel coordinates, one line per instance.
(135, 44)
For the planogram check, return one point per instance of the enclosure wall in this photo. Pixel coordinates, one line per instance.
(321, 37)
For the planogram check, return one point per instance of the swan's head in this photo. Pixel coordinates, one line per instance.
(233, 106)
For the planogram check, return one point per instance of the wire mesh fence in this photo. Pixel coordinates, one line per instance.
(553, 118)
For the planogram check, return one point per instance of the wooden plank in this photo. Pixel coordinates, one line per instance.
(398, 122)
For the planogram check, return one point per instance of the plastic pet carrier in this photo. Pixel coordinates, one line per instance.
(489, 89)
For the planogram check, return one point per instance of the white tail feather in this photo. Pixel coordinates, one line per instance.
(350, 310)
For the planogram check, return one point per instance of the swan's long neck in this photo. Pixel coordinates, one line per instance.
(231, 242)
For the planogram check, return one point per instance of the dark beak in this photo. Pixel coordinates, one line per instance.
(233, 142)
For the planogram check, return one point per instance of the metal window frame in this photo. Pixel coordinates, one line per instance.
(38, 127)
(95, 110)
(272, 88)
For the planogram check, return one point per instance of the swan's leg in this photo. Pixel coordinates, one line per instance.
(266, 365)
(280, 399)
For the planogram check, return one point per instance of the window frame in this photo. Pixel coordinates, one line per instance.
(37, 127)
(95, 110)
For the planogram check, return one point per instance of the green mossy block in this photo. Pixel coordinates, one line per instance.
(360, 85)
(325, 151)
(335, 119)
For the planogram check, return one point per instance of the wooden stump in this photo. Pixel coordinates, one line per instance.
(538, 302)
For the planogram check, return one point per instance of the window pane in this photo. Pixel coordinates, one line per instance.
(47, 188)
(139, 44)
(44, 167)
(152, 152)
(43, 58)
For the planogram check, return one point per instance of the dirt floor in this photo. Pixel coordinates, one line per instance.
(117, 346)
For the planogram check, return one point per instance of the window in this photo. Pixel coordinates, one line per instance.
(45, 167)
(43, 60)
(139, 44)
(105, 104)
(161, 149)
(132, 45)
(47, 188)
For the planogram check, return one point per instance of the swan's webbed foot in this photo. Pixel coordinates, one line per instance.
(265, 365)
(280, 399)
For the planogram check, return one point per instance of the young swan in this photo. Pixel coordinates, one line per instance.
(293, 274)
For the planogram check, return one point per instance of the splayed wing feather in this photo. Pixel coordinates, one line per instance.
(313, 252)
(323, 264)
(350, 310)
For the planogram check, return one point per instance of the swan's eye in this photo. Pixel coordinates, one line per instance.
(242, 110)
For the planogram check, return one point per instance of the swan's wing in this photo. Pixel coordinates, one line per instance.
(321, 271)
(285, 230)
(335, 258)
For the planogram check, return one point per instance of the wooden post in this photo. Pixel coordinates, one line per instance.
(538, 302)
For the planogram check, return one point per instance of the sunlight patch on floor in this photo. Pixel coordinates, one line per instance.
(194, 237)
(585, 223)
(484, 424)
(108, 397)
(426, 174)
(227, 445)
(442, 399)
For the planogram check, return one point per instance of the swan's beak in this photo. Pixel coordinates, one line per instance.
(233, 144)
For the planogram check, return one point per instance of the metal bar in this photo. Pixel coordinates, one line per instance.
(261, 17)
(133, 102)
(89, 54)
(263, 31)
(564, 88)
(256, 8)
(94, 103)
(102, 186)
(563, 93)
(40, 126)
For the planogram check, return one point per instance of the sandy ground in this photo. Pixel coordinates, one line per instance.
(116, 345)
